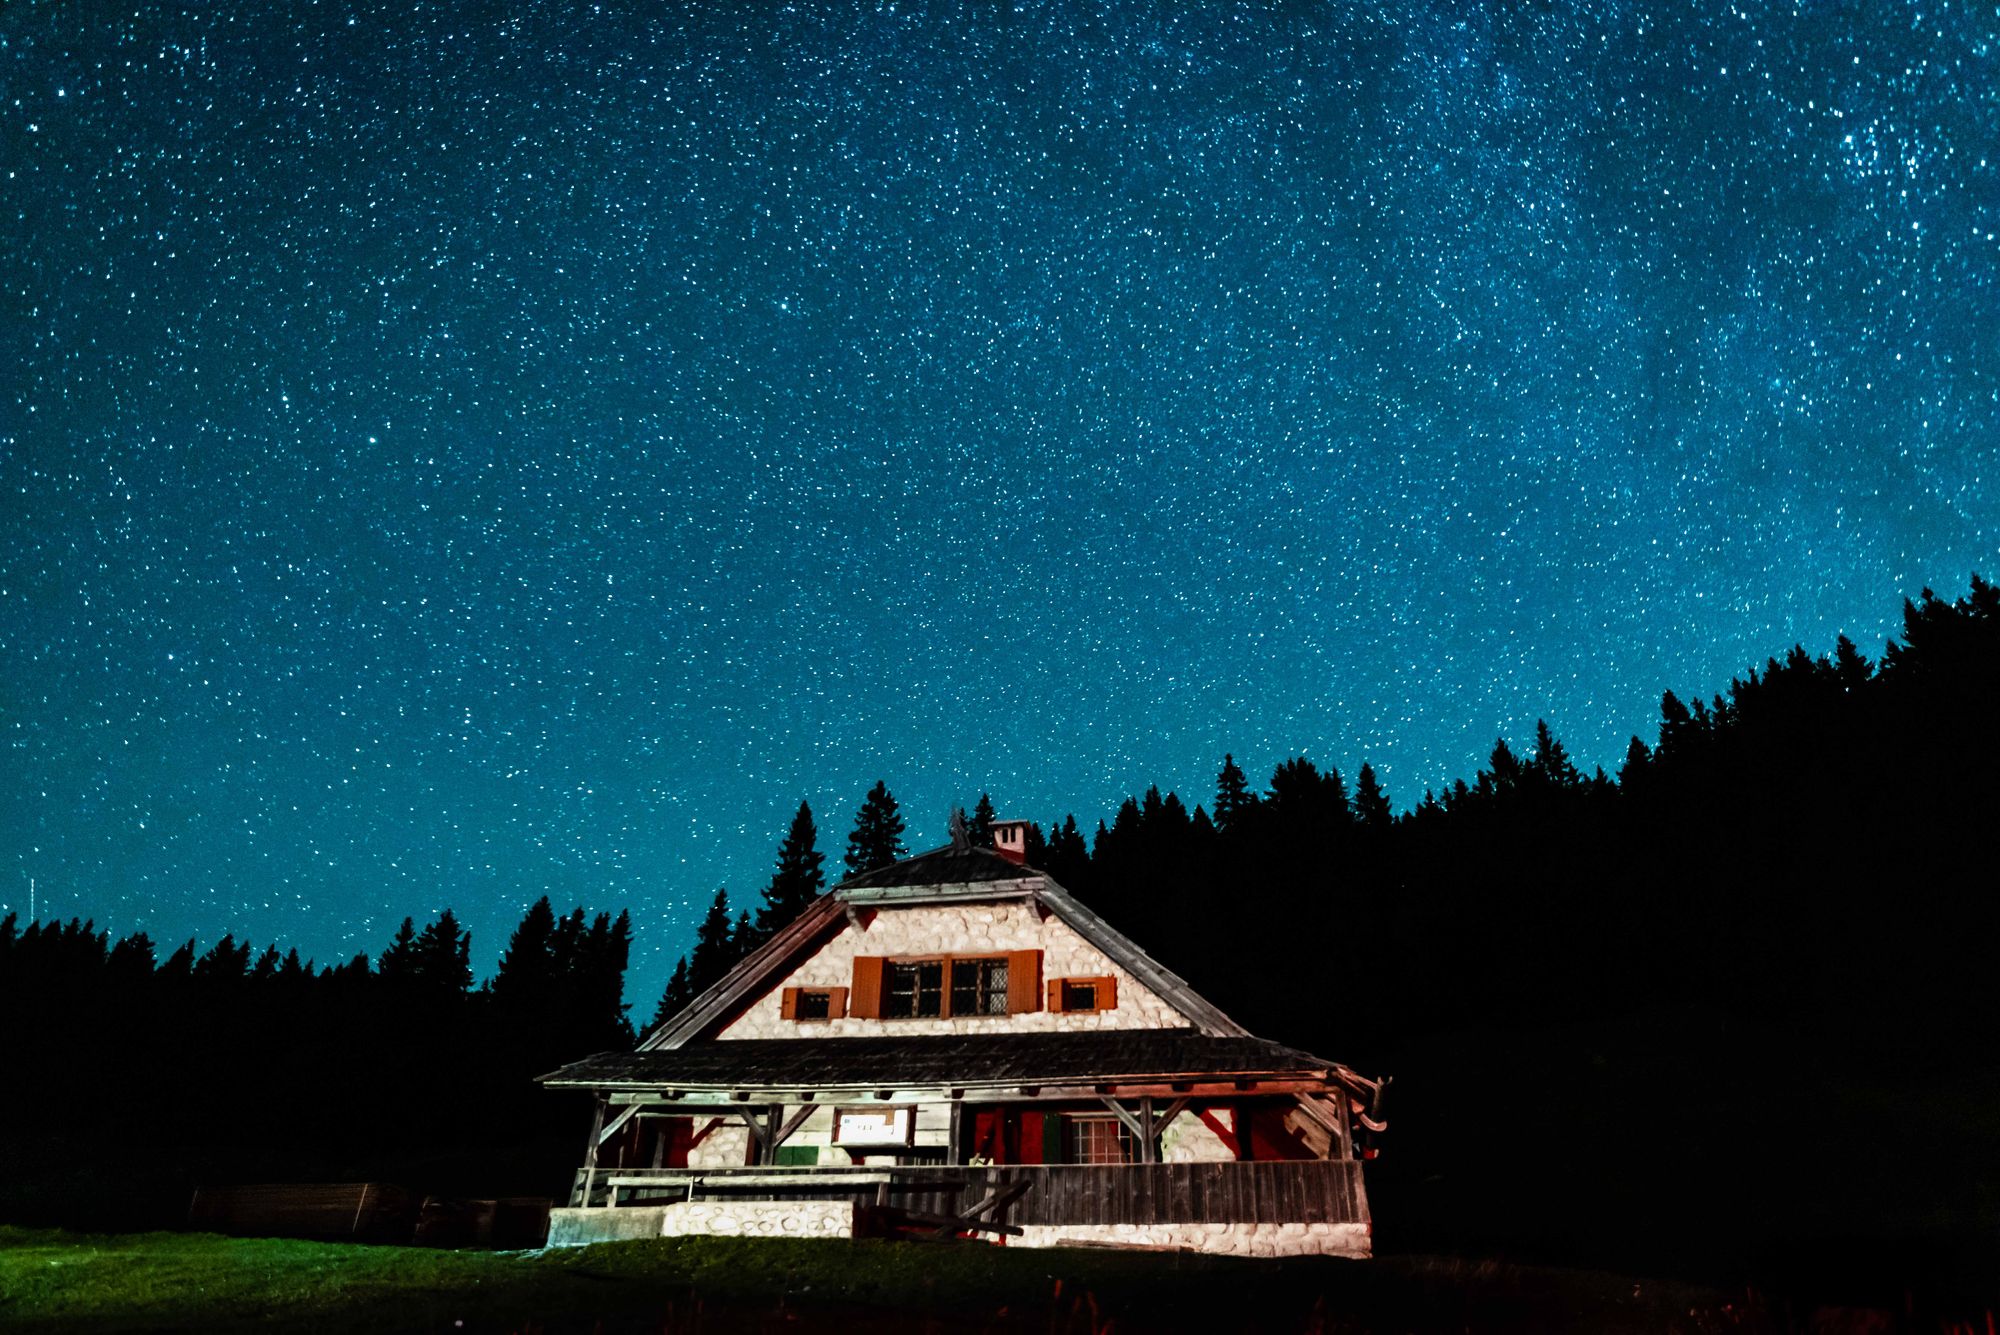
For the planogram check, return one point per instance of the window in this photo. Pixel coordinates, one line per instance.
(1070, 995)
(813, 1003)
(979, 987)
(914, 990)
(1098, 1140)
(988, 984)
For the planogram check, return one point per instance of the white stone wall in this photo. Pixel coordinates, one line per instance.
(958, 929)
(1350, 1240)
(1188, 1139)
(727, 1146)
(569, 1227)
(759, 1219)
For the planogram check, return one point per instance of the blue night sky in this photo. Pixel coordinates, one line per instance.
(451, 454)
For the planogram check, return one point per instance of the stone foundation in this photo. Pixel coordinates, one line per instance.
(835, 1219)
(739, 1219)
(759, 1219)
(580, 1228)
(1349, 1240)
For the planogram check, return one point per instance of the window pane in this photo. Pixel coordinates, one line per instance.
(993, 979)
(814, 1006)
(1099, 1140)
(930, 987)
(965, 988)
(900, 991)
(1079, 996)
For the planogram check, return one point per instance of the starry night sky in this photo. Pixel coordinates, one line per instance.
(455, 453)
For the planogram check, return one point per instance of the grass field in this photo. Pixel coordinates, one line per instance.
(55, 1281)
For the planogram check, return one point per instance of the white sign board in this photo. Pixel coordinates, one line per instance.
(891, 1126)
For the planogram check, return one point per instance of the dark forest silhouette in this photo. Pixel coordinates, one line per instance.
(1725, 1002)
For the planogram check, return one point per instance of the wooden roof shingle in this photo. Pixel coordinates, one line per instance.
(928, 1060)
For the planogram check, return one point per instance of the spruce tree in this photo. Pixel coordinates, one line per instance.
(675, 999)
(711, 958)
(525, 978)
(1371, 804)
(979, 828)
(442, 959)
(1551, 763)
(877, 839)
(1852, 668)
(1233, 798)
(397, 964)
(799, 879)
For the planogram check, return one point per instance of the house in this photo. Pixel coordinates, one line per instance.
(954, 1044)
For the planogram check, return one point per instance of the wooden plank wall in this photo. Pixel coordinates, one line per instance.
(1307, 1191)
(1316, 1191)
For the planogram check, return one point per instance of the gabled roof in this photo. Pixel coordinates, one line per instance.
(959, 1060)
(941, 875)
(949, 865)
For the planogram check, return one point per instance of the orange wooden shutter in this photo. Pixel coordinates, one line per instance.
(1024, 981)
(1107, 994)
(1055, 996)
(864, 1001)
(836, 1003)
(788, 1003)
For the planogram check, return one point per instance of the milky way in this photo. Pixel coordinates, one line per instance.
(451, 454)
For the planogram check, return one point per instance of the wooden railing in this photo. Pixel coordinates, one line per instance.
(1310, 1191)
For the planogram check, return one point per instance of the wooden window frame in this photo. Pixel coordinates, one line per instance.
(869, 998)
(1013, 959)
(836, 1004)
(1105, 988)
(1073, 1137)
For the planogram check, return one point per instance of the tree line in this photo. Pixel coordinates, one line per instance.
(1800, 854)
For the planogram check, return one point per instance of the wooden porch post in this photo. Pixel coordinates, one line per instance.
(590, 1152)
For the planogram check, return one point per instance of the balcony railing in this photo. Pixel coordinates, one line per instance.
(1310, 1191)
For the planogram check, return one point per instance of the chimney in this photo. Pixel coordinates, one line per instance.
(1010, 840)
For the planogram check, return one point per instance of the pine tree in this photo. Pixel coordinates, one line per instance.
(1849, 664)
(1068, 856)
(225, 961)
(397, 965)
(524, 981)
(442, 959)
(799, 879)
(1550, 762)
(1233, 798)
(675, 999)
(711, 958)
(266, 967)
(1503, 770)
(877, 839)
(1371, 804)
(979, 828)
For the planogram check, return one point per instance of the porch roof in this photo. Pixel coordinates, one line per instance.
(953, 1060)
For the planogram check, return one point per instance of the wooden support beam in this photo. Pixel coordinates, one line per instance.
(1149, 1148)
(590, 1153)
(1132, 1123)
(616, 1124)
(955, 1148)
(793, 1123)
